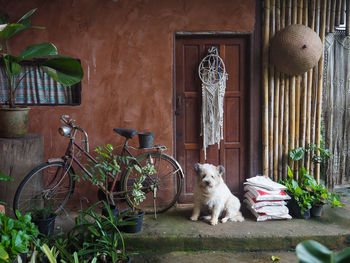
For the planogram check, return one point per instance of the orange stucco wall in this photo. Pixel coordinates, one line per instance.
(126, 48)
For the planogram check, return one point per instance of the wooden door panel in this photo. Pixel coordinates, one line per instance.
(232, 127)
(189, 51)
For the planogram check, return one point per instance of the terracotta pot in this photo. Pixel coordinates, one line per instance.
(13, 122)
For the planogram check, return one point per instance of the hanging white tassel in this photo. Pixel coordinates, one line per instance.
(213, 75)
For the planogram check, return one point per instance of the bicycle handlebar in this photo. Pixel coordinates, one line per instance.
(66, 120)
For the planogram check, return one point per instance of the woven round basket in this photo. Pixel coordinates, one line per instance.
(295, 49)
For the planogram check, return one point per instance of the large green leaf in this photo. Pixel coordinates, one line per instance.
(39, 50)
(312, 251)
(64, 70)
(343, 256)
(11, 29)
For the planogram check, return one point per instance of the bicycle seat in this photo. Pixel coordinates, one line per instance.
(127, 133)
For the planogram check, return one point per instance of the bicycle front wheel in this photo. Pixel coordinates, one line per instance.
(50, 185)
(162, 189)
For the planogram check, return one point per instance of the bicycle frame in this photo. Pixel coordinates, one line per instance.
(69, 155)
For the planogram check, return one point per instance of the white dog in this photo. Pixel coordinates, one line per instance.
(212, 192)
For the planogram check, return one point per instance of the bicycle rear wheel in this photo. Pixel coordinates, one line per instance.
(47, 185)
(167, 181)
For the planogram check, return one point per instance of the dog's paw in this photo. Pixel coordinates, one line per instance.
(213, 222)
(194, 218)
(206, 218)
(224, 220)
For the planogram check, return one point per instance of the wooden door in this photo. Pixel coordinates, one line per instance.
(233, 148)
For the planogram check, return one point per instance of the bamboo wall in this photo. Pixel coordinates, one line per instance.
(292, 105)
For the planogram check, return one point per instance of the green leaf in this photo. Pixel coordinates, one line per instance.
(15, 68)
(45, 248)
(290, 173)
(64, 70)
(4, 177)
(10, 30)
(25, 20)
(343, 256)
(312, 251)
(297, 153)
(39, 50)
(3, 254)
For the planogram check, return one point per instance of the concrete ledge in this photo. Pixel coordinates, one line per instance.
(173, 243)
(173, 231)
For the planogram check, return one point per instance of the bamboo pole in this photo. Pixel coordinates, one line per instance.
(309, 92)
(348, 17)
(288, 13)
(276, 129)
(320, 86)
(337, 13)
(342, 12)
(286, 129)
(306, 12)
(328, 18)
(333, 10)
(271, 93)
(303, 98)
(292, 95)
(314, 85)
(282, 131)
(286, 117)
(265, 67)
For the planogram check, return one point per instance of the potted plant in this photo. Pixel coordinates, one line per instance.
(315, 194)
(62, 69)
(4, 177)
(107, 164)
(44, 218)
(300, 204)
(94, 236)
(16, 236)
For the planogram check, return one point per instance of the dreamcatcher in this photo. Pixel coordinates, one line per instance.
(213, 76)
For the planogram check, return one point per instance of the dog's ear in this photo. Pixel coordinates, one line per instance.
(197, 167)
(221, 169)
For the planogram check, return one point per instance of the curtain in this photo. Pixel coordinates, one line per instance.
(36, 88)
(336, 108)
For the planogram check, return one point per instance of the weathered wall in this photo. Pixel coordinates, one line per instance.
(126, 49)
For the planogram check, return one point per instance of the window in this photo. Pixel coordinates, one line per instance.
(37, 88)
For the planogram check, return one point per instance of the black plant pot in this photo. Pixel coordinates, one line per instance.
(46, 226)
(295, 211)
(316, 210)
(115, 210)
(136, 220)
(146, 139)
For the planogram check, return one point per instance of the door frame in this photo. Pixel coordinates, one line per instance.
(254, 147)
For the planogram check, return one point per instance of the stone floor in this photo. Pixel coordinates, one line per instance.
(174, 238)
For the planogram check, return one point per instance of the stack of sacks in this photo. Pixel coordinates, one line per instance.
(266, 199)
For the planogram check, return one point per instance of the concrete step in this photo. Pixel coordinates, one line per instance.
(173, 231)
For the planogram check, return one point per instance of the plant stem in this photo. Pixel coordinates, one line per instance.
(8, 50)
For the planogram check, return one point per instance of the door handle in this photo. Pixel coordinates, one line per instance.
(178, 106)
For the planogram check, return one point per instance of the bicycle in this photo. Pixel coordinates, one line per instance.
(53, 181)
